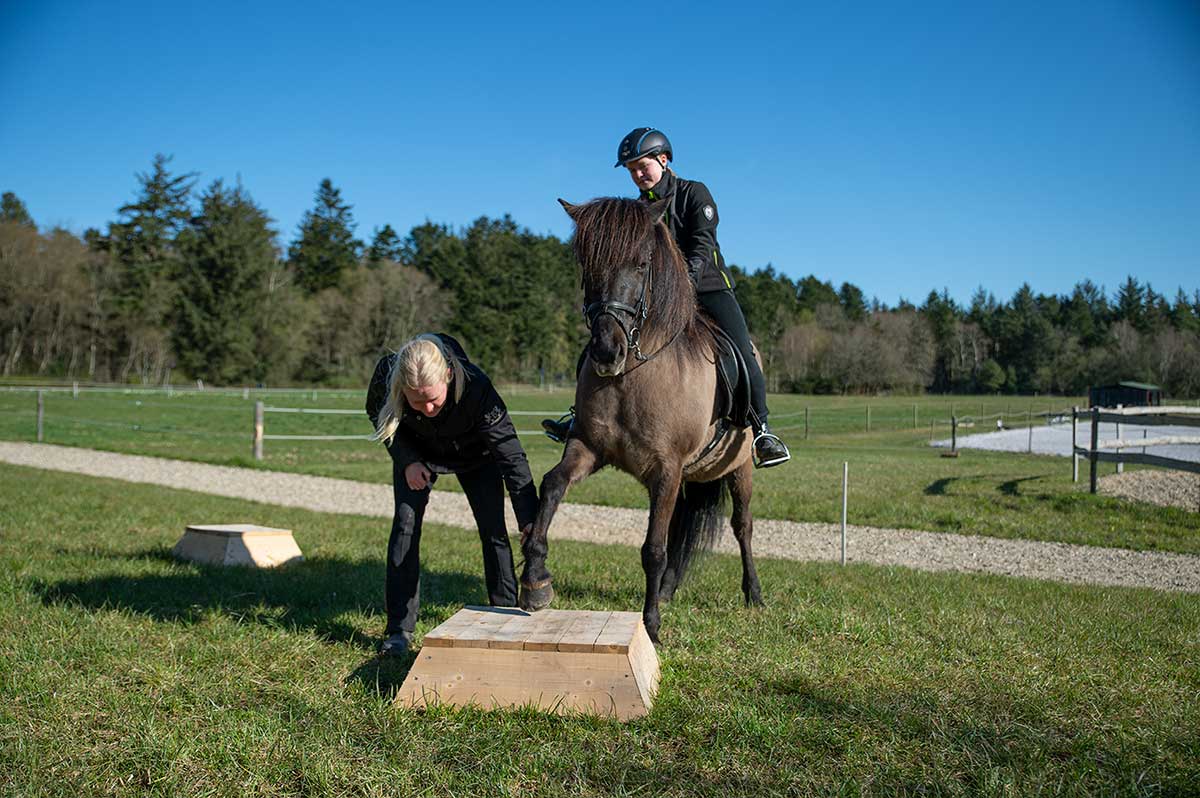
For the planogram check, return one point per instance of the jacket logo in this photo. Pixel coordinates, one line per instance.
(708, 212)
(493, 416)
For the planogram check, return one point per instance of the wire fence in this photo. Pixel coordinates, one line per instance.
(222, 416)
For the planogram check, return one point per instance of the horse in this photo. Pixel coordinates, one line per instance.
(645, 404)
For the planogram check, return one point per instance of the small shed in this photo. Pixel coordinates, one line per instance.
(1126, 394)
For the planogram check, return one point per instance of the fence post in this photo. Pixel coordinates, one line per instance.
(806, 422)
(41, 411)
(914, 415)
(1029, 421)
(245, 392)
(931, 423)
(1092, 458)
(954, 433)
(1074, 434)
(868, 418)
(1120, 465)
(845, 486)
(258, 430)
(74, 390)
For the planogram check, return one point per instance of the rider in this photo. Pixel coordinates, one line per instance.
(692, 218)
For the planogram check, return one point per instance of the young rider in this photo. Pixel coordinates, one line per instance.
(692, 218)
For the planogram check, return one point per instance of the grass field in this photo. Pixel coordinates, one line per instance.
(127, 673)
(896, 479)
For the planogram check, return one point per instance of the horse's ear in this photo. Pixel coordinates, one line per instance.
(658, 209)
(568, 207)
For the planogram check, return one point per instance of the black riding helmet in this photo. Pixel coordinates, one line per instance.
(642, 142)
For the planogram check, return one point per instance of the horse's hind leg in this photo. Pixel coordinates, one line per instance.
(741, 487)
(577, 462)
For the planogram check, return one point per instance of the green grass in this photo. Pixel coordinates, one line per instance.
(127, 673)
(896, 479)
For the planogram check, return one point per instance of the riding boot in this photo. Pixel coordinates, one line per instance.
(769, 449)
(558, 431)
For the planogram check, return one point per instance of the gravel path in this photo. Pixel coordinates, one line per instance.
(1056, 439)
(927, 551)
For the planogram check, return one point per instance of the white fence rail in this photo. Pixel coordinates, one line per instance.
(1116, 450)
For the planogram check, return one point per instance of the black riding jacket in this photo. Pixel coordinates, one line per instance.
(692, 217)
(470, 429)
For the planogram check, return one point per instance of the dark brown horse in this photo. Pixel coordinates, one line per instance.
(645, 404)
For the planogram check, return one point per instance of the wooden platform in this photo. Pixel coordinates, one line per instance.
(600, 663)
(238, 544)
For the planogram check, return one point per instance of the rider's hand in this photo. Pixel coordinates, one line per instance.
(417, 476)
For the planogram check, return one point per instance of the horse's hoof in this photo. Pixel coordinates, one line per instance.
(534, 599)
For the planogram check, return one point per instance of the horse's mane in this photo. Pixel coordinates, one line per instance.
(610, 233)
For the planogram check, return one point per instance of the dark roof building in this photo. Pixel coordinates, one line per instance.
(1126, 394)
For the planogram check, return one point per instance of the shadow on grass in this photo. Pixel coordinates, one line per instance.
(1012, 487)
(313, 595)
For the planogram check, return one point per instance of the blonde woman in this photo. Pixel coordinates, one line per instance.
(438, 413)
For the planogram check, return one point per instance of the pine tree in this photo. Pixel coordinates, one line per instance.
(853, 303)
(325, 247)
(227, 251)
(385, 246)
(142, 247)
(12, 210)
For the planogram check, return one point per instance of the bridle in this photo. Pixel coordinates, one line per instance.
(608, 307)
(637, 315)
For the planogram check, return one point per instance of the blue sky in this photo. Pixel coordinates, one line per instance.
(898, 146)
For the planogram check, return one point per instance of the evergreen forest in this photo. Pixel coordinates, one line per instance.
(193, 282)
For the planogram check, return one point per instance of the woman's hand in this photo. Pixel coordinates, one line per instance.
(417, 476)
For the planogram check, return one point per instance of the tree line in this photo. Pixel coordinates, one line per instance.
(193, 283)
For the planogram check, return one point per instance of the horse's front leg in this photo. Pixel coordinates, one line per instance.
(663, 494)
(577, 462)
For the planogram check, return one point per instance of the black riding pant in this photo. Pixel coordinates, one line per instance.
(723, 308)
(485, 493)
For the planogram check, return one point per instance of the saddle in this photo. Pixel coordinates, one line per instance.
(732, 402)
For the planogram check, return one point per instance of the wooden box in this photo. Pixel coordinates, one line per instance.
(238, 544)
(600, 663)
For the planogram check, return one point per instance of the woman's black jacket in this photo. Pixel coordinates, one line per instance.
(472, 428)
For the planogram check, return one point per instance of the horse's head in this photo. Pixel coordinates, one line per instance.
(630, 271)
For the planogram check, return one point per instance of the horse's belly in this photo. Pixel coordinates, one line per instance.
(727, 455)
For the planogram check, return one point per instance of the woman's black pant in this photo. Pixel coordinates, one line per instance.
(485, 493)
(724, 309)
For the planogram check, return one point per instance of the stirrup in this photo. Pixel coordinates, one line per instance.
(774, 461)
(552, 428)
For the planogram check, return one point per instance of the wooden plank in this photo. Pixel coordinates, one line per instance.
(553, 624)
(444, 634)
(1148, 459)
(560, 682)
(1153, 410)
(485, 623)
(512, 634)
(1145, 419)
(617, 633)
(1135, 443)
(582, 633)
(643, 661)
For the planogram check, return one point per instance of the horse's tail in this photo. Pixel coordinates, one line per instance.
(696, 524)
